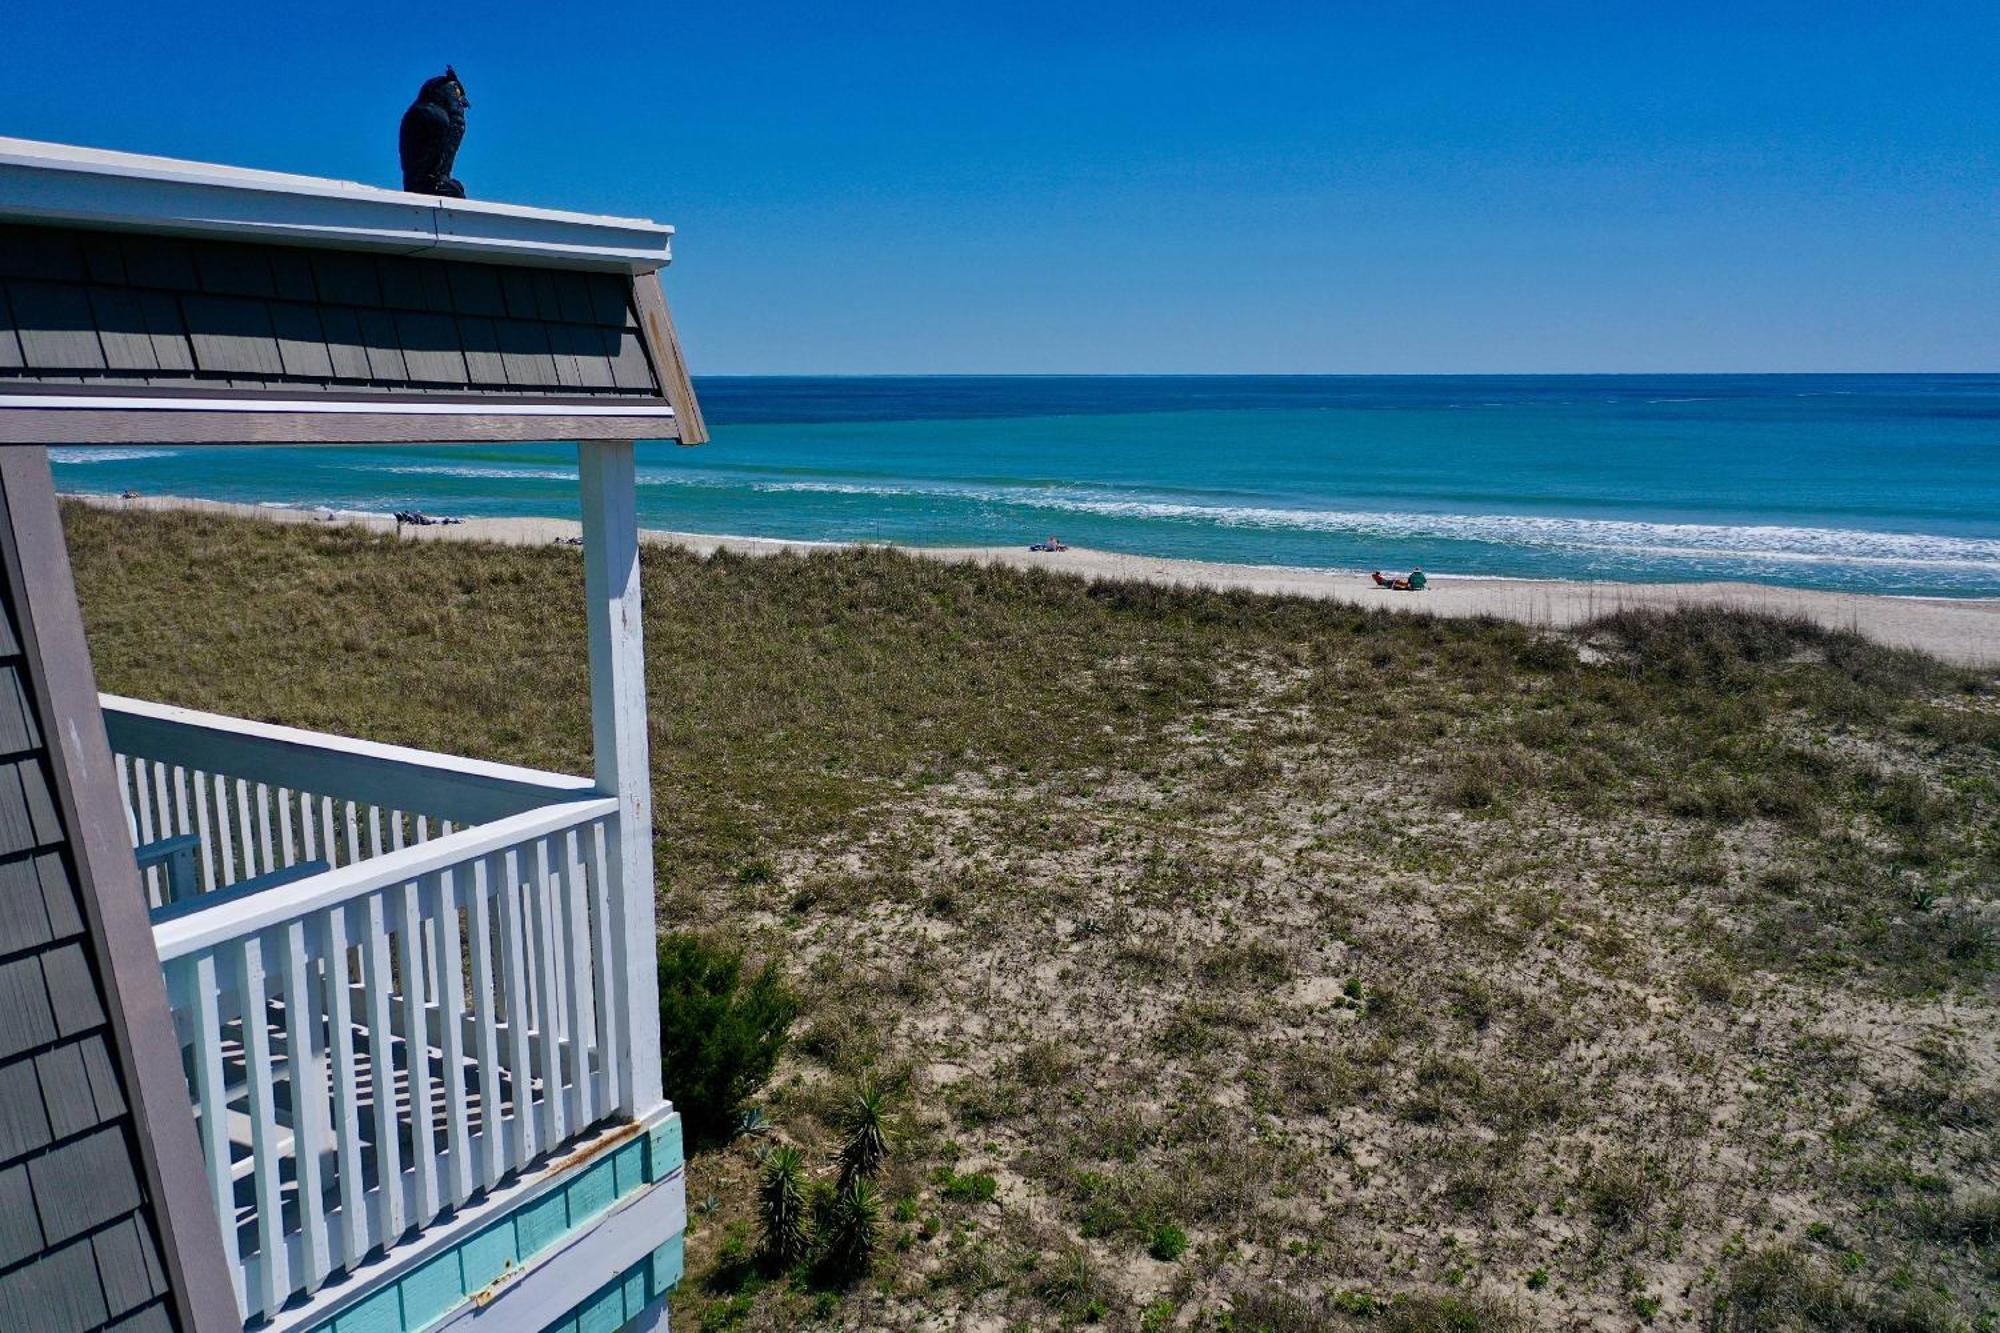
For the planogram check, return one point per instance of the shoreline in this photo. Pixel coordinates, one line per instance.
(1965, 631)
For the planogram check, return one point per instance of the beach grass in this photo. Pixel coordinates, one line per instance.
(1377, 969)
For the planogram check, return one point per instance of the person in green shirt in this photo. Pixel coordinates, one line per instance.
(1415, 583)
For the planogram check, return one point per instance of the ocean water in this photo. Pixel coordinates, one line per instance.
(1880, 483)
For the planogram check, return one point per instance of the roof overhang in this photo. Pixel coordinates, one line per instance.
(95, 187)
(569, 337)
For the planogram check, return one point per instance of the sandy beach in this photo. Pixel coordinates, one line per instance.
(1962, 630)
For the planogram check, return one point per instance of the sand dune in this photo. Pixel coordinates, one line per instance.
(1964, 630)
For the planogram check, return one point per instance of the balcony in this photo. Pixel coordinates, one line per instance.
(394, 980)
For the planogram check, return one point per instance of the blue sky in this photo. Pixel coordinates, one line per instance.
(1156, 187)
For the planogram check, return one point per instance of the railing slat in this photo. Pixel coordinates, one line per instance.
(555, 1115)
(266, 1155)
(286, 846)
(450, 993)
(264, 843)
(212, 1107)
(225, 840)
(143, 805)
(486, 872)
(582, 1013)
(246, 830)
(202, 789)
(609, 1000)
(520, 1068)
(124, 762)
(306, 1054)
(329, 832)
(378, 984)
(417, 1051)
(354, 1223)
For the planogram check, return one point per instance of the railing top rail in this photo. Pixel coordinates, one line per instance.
(454, 787)
(206, 928)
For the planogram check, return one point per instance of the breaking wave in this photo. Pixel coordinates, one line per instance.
(79, 455)
(1853, 546)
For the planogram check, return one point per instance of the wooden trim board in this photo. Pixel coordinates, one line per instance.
(113, 899)
(60, 426)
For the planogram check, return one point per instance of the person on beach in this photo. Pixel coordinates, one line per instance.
(1415, 583)
(1052, 544)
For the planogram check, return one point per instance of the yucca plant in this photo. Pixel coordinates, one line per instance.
(781, 1206)
(852, 1223)
(866, 1131)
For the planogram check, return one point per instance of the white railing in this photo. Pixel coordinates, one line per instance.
(430, 1002)
(258, 799)
(373, 1047)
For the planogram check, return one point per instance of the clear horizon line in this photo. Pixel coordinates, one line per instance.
(1325, 374)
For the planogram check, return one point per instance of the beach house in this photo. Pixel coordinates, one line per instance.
(302, 1031)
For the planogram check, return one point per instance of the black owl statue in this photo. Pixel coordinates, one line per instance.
(432, 129)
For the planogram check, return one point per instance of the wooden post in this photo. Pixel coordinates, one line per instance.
(618, 734)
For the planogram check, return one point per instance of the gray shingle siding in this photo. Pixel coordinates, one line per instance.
(78, 1237)
(100, 308)
(84, 1183)
(60, 1292)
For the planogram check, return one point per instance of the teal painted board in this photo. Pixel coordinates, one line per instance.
(625, 1297)
(602, 1313)
(630, 1164)
(433, 1289)
(664, 1144)
(510, 1243)
(487, 1255)
(541, 1224)
(380, 1313)
(636, 1284)
(667, 1263)
(593, 1192)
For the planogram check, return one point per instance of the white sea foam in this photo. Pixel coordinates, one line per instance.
(78, 455)
(1757, 543)
(475, 473)
(1698, 541)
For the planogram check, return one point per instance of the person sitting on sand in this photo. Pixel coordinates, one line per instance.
(1415, 583)
(1052, 544)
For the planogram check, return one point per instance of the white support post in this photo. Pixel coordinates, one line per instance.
(618, 733)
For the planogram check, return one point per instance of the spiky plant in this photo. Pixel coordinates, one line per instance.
(866, 1131)
(781, 1206)
(853, 1222)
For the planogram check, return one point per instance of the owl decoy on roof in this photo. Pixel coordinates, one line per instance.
(432, 129)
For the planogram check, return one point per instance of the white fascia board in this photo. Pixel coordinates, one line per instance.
(382, 404)
(44, 182)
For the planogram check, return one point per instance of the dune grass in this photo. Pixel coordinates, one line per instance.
(1378, 970)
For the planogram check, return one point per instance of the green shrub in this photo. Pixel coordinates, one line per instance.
(782, 1208)
(975, 1188)
(719, 1035)
(1169, 1243)
(848, 1232)
(865, 1134)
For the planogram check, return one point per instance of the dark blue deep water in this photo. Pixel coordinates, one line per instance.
(1879, 483)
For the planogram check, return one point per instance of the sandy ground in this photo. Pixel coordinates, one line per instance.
(1955, 629)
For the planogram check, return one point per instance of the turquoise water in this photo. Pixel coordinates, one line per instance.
(1871, 483)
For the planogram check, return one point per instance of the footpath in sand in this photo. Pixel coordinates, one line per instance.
(1963, 630)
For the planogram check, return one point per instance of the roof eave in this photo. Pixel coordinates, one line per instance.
(127, 191)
